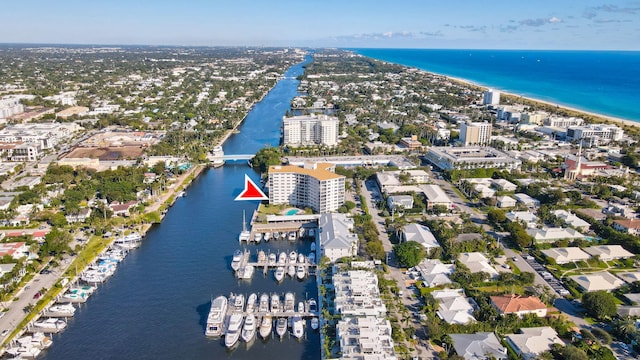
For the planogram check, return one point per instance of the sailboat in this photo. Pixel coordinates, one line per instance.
(245, 235)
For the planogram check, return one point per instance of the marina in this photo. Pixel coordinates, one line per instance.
(185, 260)
(294, 264)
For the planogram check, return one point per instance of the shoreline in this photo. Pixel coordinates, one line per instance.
(590, 113)
(604, 118)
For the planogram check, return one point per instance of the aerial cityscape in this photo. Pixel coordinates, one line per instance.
(386, 181)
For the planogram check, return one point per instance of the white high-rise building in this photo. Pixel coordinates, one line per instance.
(314, 185)
(475, 133)
(491, 97)
(310, 130)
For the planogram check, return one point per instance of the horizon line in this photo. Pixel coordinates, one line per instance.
(46, 44)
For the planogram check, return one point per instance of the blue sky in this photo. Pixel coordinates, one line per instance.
(497, 24)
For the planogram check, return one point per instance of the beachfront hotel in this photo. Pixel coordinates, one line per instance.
(310, 130)
(315, 185)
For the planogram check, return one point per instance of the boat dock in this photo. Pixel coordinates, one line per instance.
(266, 265)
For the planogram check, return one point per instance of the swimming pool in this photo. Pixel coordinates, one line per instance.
(291, 212)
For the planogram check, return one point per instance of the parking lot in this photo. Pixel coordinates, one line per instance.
(554, 283)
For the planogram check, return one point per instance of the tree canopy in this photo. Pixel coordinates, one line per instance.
(599, 304)
(410, 253)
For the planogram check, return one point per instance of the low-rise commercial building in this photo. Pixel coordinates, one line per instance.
(448, 158)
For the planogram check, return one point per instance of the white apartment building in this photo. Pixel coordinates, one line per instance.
(491, 97)
(310, 130)
(475, 133)
(46, 135)
(315, 186)
(365, 338)
(10, 107)
(563, 122)
(595, 134)
(357, 294)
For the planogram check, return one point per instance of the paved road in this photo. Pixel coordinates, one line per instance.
(413, 303)
(25, 297)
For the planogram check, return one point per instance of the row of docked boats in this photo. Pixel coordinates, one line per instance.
(257, 237)
(29, 346)
(236, 320)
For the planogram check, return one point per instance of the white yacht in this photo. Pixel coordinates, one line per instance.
(297, 327)
(37, 340)
(245, 235)
(289, 302)
(262, 256)
(217, 313)
(272, 259)
(246, 273)
(301, 272)
(315, 323)
(233, 330)
(251, 303)
(50, 325)
(282, 258)
(292, 236)
(313, 306)
(267, 236)
(291, 270)
(257, 237)
(249, 328)
(292, 257)
(266, 326)
(281, 326)
(128, 242)
(236, 260)
(275, 303)
(276, 235)
(301, 258)
(237, 301)
(263, 305)
(60, 310)
(279, 273)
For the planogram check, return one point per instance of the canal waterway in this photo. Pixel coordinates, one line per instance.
(156, 304)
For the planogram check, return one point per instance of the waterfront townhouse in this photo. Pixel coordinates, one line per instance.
(365, 338)
(314, 185)
(310, 130)
(357, 294)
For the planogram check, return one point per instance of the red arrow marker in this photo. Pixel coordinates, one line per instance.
(251, 191)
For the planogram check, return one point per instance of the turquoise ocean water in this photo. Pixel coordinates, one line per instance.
(603, 82)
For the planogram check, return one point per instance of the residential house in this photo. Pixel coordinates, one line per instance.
(519, 305)
(572, 220)
(531, 342)
(504, 185)
(527, 200)
(609, 252)
(505, 202)
(434, 272)
(528, 218)
(336, 237)
(601, 280)
(436, 196)
(478, 346)
(420, 234)
(554, 234)
(395, 202)
(122, 209)
(453, 306)
(565, 255)
(82, 216)
(477, 262)
(16, 250)
(631, 226)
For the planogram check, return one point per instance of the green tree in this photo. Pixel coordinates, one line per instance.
(410, 253)
(599, 304)
(266, 157)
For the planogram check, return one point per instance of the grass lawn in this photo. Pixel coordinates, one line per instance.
(516, 289)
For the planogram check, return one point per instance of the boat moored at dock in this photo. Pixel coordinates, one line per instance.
(50, 325)
(236, 260)
(60, 310)
(249, 328)
(281, 327)
(266, 327)
(232, 334)
(217, 314)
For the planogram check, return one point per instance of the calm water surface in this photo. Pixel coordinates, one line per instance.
(156, 305)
